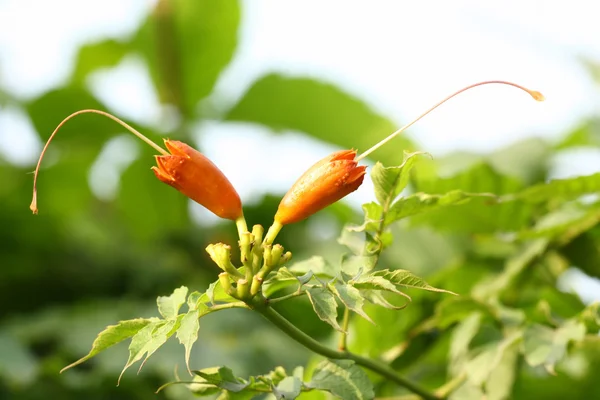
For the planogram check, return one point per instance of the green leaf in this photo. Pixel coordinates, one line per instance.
(342, 378)
(224, 378)
(197, 300)
(316, 264)
(288, 389)
(168, 306)
(112, 335)
(479, 368)
(318, 109)
(390, 181)
(372, 283)
(480, 215)
(188, 334)
(515, 265)
(403, 278)
(462, 336)
(501, 379)
(420, 202)
(546, 346)
(187, 44)
(376, 297)
(373, 212)
(324, 304)
(148, 339)
(351, 298)
(93, 56)
(201, 387)
(564, 189)
(565, 223)
(588, 134)
(216, 294)
(455, 309)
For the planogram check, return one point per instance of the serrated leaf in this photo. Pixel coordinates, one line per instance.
(148, 339)
(342, 378)
(353, 264)
(197, 299)
(375, 297)
(565, 189)
(372, 212)
(168, 306)
(400, 277)
(224, 378)
(371, 282)
(351, 298)
(390, 181)
(188, 334)
(112, 335)
(420, 202)
(325, 306)
(288, 389)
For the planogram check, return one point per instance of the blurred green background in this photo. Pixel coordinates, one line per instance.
(109, 237)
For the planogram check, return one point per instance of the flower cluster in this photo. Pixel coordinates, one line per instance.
(194, 175)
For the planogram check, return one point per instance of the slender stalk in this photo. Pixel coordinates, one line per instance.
(235, 304)
(344, 334)
(286, 297)
(533, 93)
(241, 225)
(33, 206)
(311, 344)
(272, 232)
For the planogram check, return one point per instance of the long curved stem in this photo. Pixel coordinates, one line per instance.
(533, 93)
(33, 206)
(382, 369)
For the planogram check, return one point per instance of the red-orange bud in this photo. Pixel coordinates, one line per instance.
(194, 175)
(330, 179)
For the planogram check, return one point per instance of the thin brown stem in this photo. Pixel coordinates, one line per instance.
(33, 206)
(533, 93)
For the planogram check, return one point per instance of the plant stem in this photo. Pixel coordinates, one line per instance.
(344, 333)
(285, 297)
(272, 232)
(242, 227)
(311, 344)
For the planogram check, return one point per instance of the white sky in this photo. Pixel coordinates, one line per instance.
(400, 57)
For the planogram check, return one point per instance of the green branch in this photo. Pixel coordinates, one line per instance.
(311, 344)
(344, 334)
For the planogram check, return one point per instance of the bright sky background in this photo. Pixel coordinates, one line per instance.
(400, 57)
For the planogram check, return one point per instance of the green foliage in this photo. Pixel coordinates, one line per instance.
(492, 229)
(320, 109)
(343, 379)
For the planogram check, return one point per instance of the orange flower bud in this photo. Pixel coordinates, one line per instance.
(330, 179)
(194, 175)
